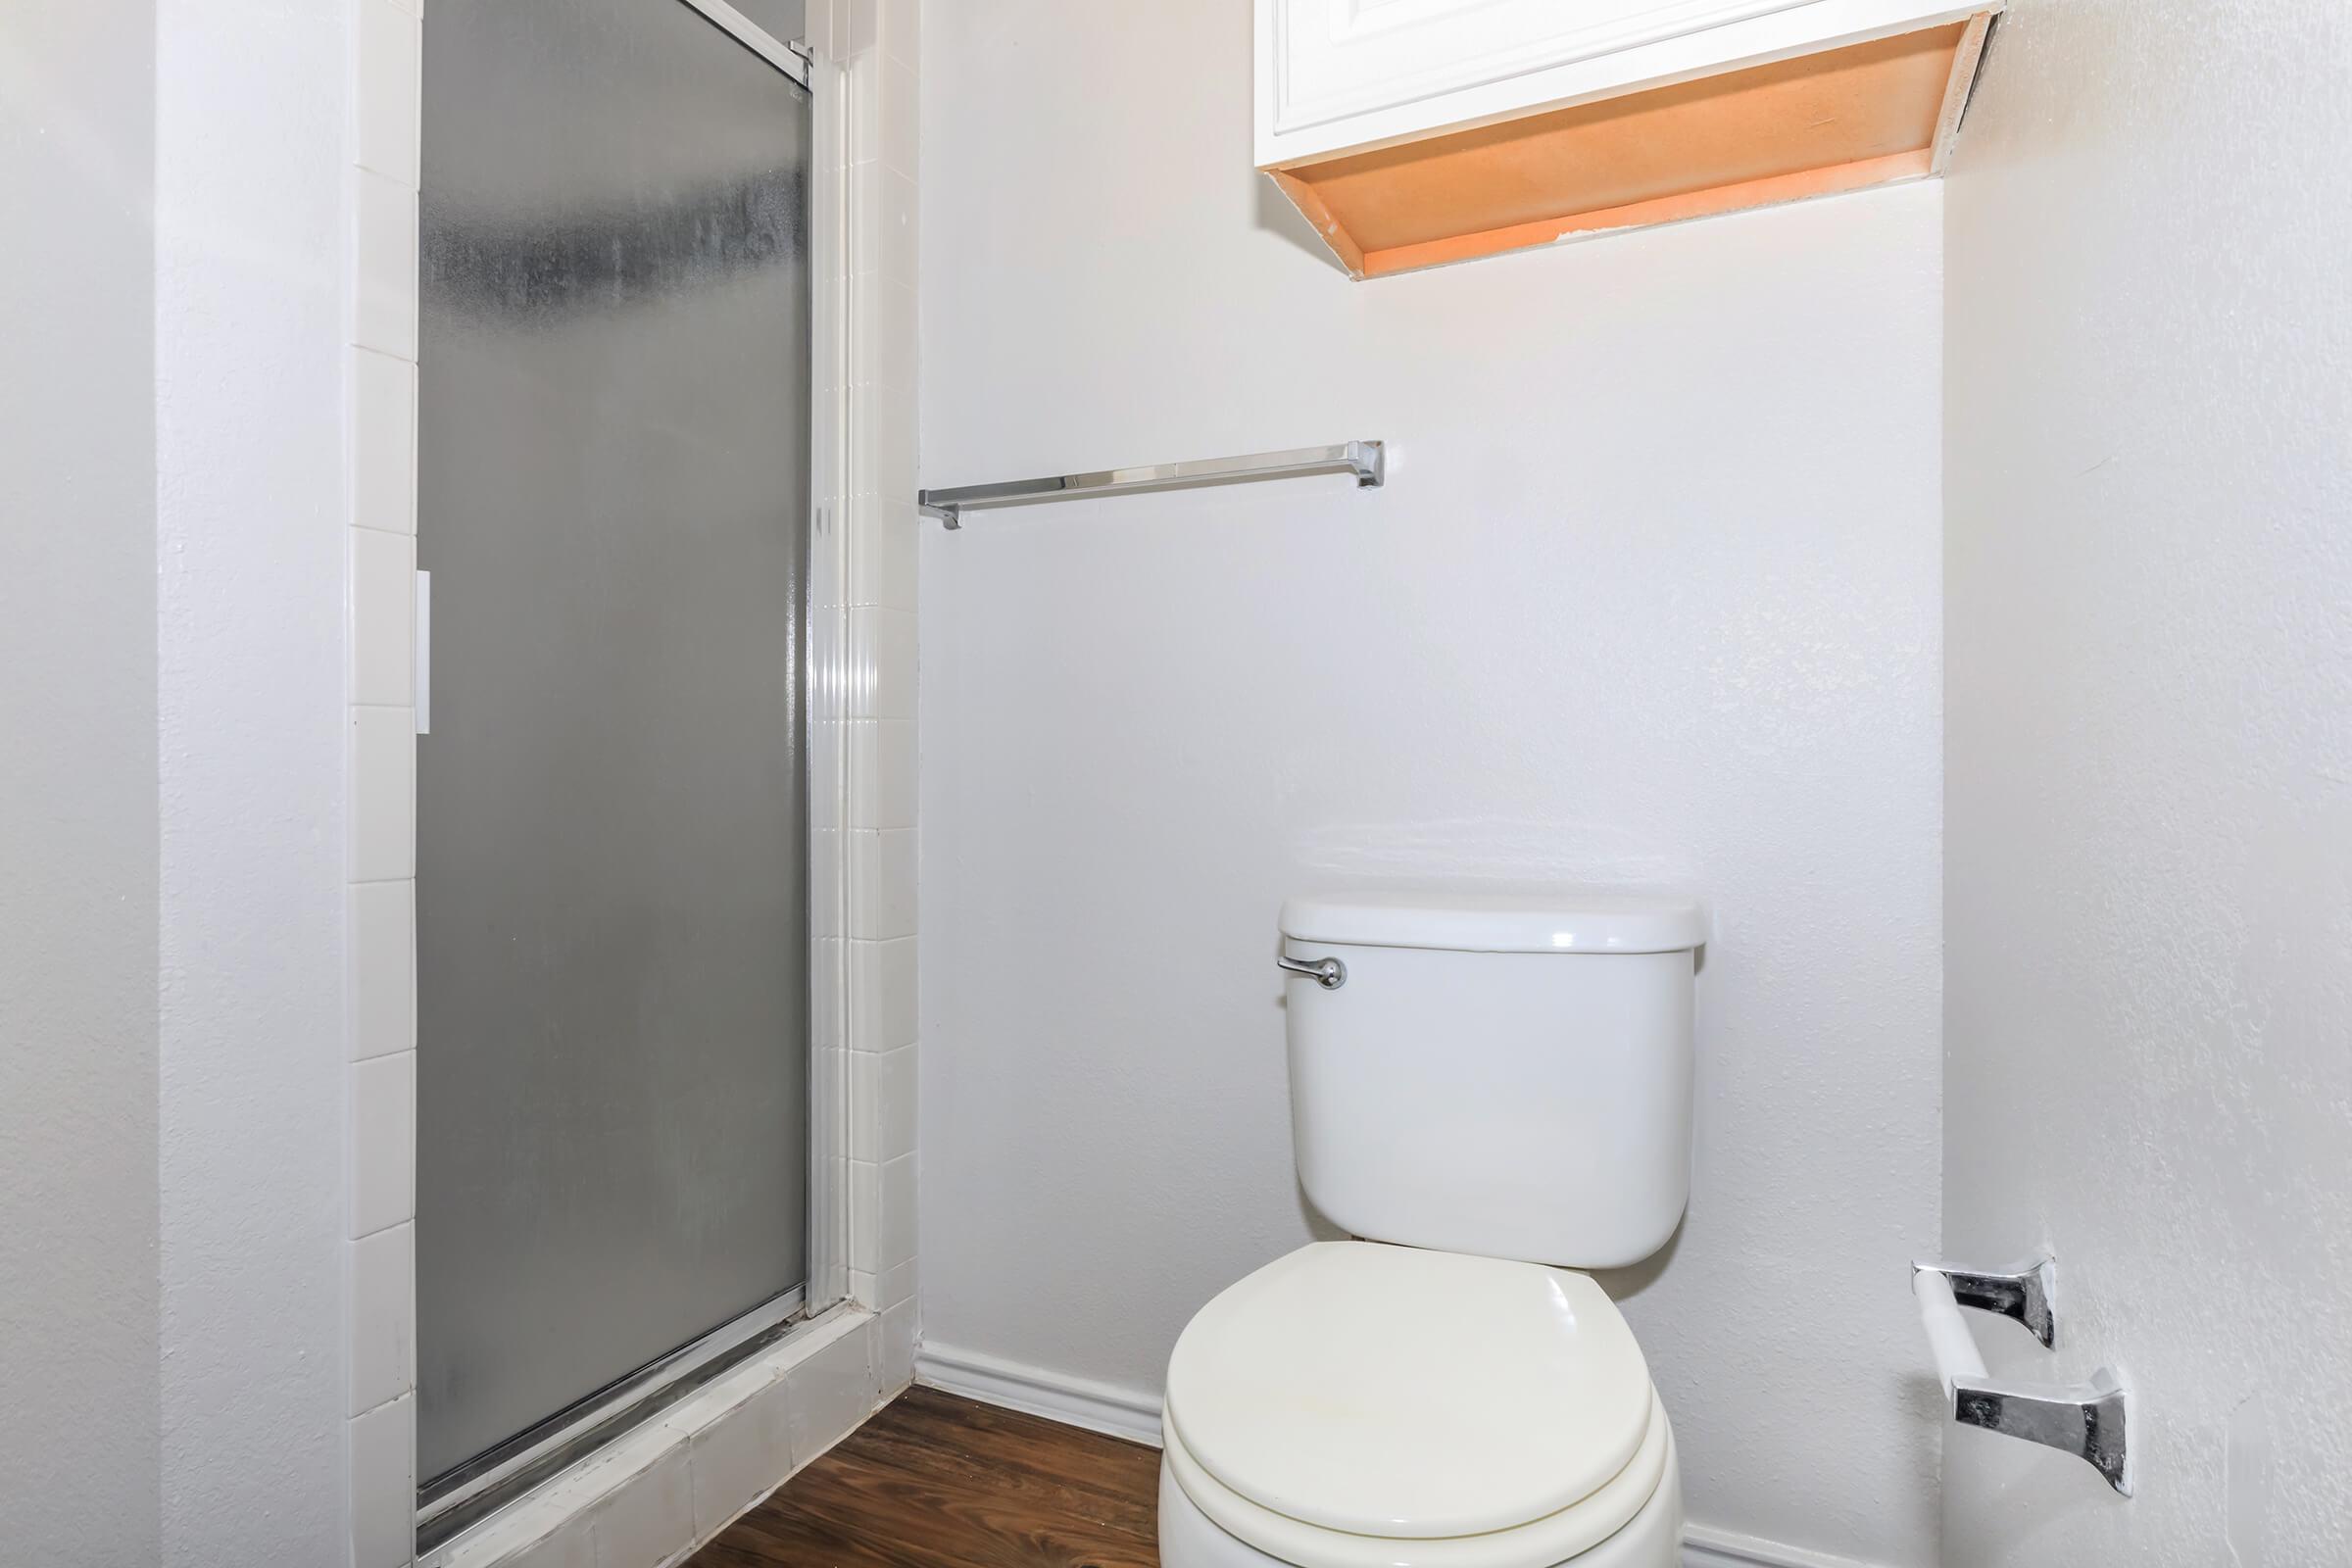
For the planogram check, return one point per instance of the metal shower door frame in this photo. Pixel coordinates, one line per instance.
(829, 687)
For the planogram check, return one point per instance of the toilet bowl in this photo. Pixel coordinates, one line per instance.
(1493, 1092)
(1651, 1538)
(1355, 1404)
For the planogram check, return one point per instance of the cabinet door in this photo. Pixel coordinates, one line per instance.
(1324, 61)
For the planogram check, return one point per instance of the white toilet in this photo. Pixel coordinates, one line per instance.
(1495, 1092)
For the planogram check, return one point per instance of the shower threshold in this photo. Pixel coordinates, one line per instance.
(459, 1498)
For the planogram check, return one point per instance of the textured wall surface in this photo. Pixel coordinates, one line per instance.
(1651, 598)
(78, 792)
(251, 167)
(2150, 807)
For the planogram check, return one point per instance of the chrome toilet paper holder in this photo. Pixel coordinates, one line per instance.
(2089, 1420)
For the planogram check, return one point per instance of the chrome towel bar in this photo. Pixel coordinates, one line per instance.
(1363, 459)
(2089, 1420)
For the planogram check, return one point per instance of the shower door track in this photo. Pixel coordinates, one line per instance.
(457, 1500)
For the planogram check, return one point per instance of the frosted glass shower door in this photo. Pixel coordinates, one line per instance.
(612, 944)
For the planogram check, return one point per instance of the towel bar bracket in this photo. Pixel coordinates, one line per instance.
(2089, 1420)
(2028, 1293)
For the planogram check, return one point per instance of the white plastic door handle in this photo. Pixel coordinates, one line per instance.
(424, 653)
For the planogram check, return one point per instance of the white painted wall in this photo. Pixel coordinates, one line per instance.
(171, 1090)
(2150, 823)
(1651, 598)
(78, 787)
(251, 163)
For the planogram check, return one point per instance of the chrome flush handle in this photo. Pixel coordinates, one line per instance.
(1329, 973)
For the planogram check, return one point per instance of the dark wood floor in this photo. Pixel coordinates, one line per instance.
(939, 1481)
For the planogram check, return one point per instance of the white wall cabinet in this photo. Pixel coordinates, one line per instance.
(1418, 131)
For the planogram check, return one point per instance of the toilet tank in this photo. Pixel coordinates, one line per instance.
(1502, 1075)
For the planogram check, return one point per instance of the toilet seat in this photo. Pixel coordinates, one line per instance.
(1404, 1400)
(1567, 1534)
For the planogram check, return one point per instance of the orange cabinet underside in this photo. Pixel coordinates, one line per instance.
(1862, 114)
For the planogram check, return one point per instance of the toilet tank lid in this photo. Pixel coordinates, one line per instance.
(1568, 921)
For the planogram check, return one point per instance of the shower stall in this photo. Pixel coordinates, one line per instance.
(613, 939)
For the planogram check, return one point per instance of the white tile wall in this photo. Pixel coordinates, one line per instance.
(380, 935)
(885, 25)
(384, 239)
(897, 1232)
(383, 1449)
(883, 239)
(681, 1482)
(882, 1103)
(645, 1523)
(383, 1143)
(384, 136)
(895, 1343)
(383, 617)
(882, 1234)
(882, 566)
(384, 457)
(882, 660)
(383, 793)
(738, 1453)
(830, 1392)
(571, 1545)
(825, 866)
(880, 47)
(891, 1287)
(383, 1295)
(882, 884)
(882, 996)
(380, 911)
(860, 23)
(886, 353)
(882, 761)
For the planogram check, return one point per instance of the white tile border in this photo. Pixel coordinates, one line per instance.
(380, 906)
(382, 1283)
(875, 41)
(865, 980)
(383, 1448)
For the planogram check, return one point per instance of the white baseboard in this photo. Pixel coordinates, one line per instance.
(1132, 1415)
(1706, 1548)
(1128, 1413)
